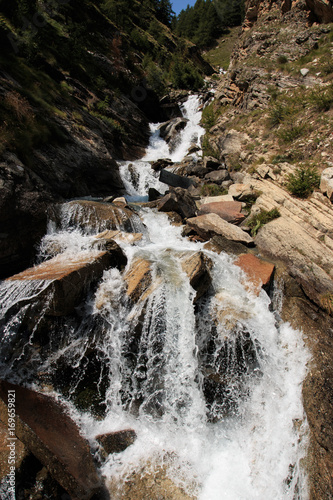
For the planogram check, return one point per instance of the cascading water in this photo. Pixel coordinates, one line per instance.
(212, 387)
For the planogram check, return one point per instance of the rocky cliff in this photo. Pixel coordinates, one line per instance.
(272, 122)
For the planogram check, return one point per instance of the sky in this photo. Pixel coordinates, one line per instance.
(178, 5)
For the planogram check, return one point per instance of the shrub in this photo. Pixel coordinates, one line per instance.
(261, 218)
(321, 99)
(303, 182)
(208, 149)
(282, 59)
(291, 132)
(212, 190)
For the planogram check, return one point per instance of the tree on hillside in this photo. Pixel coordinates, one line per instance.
(207, 19)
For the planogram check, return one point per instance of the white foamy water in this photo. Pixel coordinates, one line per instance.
(138, 176)
(212, 388)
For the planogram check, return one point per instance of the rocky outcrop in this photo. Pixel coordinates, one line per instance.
(229, 211)
(209, 225)
(43, 425)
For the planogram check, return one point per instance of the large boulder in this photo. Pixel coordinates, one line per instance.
(94, 216)
(230, 211)
(209, 225)
(44, 426)
(197, 266)
(179, 201)
(218, 176)
(63, 280)
(259, 273)
(175, 180)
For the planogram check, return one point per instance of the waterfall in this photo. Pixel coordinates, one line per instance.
(212, 387)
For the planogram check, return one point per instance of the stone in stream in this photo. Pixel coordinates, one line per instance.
(98, 216)
(179, 201)
(169, 130)
(258, 272)
(66, 278)
(175, 180)
(209, 225)
(229, 211)
(140, 282)
(116, 442)
(161, 163)
(44, 426)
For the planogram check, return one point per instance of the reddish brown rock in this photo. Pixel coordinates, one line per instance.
(227, 210)
(258, 272)
(68, 277)
(45, 428)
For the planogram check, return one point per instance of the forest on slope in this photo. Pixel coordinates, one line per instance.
(208, 19)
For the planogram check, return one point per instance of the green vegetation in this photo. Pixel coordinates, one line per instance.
(212, 190)
(303, 182)
(208, 149)
(220, 56)
(208, 19)
(261, 218)
(209, 116)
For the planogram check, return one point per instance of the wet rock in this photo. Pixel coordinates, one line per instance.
(217, 176)
(161, 163)
(169, 131)
(66, 279)
(197, 267)
(150, 482)
(109, 235)
(139, 280)
(175, 180)
(45, 428)
(98, 216)
(326, 183)
(194, 148)
(153, 194)
(209, 225)
(229, 211)
(116, 442)
(258, 272)
(180, 201)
